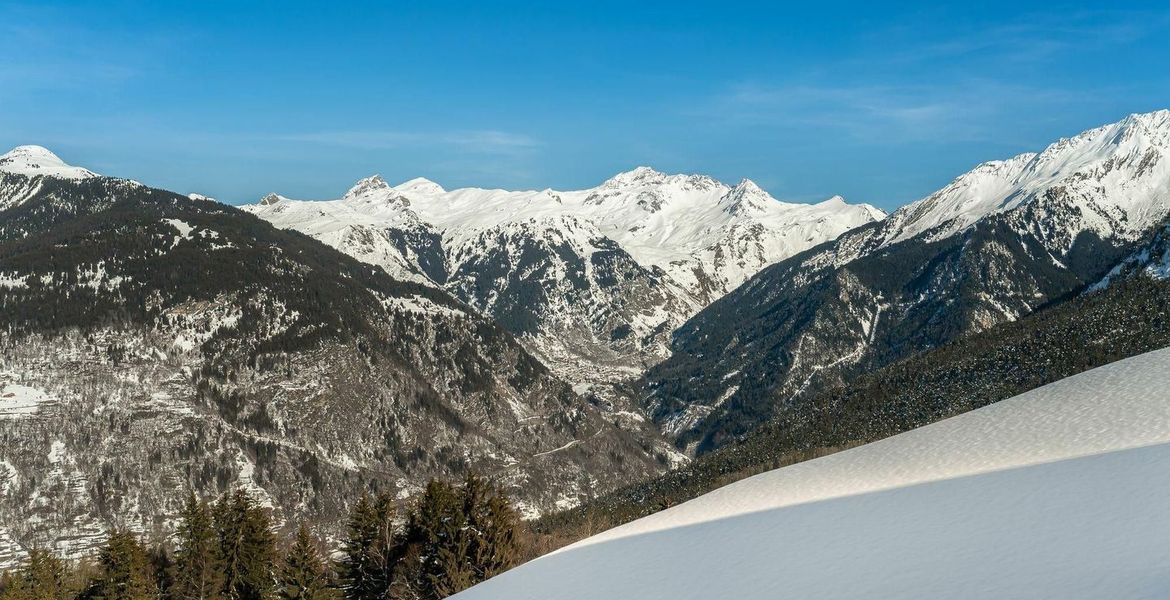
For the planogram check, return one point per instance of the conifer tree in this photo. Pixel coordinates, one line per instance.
(42, 576)
(247, 548)
(493, 528)
(197, 573)
(435, 528)
(303, 575)
(124, 570)
(162, 569)
(462, 536)
(367, 570)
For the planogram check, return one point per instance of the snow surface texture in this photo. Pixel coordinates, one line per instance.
(1056, 493)
(35, 160)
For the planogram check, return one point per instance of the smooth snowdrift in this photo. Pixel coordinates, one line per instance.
(36, 160)
(1056, 493)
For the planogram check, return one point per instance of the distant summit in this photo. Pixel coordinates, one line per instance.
(38, 160)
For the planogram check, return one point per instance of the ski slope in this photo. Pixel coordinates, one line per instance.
(1061, 492)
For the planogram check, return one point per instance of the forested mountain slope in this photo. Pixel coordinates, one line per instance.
(153, 342)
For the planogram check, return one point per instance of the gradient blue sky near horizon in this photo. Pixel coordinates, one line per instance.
(880, 104)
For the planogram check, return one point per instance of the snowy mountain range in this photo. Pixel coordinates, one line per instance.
(997, 243)
(1055, 493)
(593, 281)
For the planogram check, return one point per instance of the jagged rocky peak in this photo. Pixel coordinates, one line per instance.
(420, 185)
(1127, 139)
(1150, 128)
(746, 197)
(637, 177)
(369, 186)
(649, 177)
(1157, 123)
(271, 199)
(38, 160)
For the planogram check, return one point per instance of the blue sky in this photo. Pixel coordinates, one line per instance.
(881, 104)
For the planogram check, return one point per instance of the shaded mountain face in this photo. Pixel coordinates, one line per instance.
(998, 243)
(1129, 317)
(1150, 259)
(591, 281)
(155, 343)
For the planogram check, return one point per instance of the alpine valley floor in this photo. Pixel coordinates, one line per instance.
(1056, 493)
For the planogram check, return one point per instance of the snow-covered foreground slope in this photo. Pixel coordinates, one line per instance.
(1057, 493)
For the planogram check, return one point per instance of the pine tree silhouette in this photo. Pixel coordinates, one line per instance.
(197, 573)
(303, 575)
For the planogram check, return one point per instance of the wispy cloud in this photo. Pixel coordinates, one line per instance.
(885, 113)
(911, 83)
(474, 141)
(1038, 37)
(32, 37)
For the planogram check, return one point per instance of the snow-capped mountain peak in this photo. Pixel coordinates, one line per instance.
(38, 160)
(1115, 176)
(636, 177)
(647, 177)
(368, 187)
(271, 199)
(420, 185)
(747, 198)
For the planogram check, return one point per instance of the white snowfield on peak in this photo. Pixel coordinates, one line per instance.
(1058, 493)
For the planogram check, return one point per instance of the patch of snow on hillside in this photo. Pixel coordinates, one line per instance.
(419, 305)
(20, 401)
(15, 281)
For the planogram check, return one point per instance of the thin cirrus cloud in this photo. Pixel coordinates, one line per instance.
(910, 84)
(474, 141)
(882, 113)
(1042, 36)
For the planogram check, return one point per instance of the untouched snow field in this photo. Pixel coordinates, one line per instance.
(1062, 492)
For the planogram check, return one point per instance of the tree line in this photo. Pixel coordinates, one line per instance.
(450, 538)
